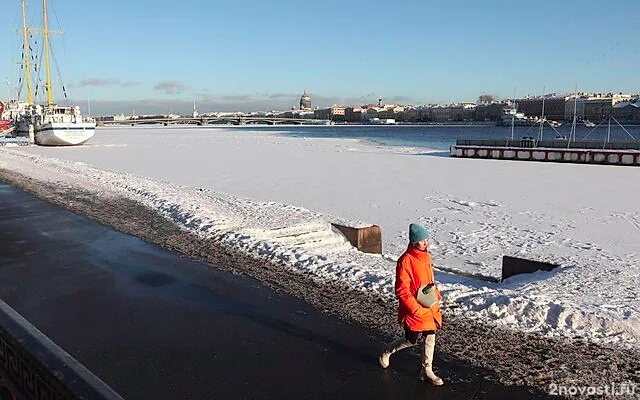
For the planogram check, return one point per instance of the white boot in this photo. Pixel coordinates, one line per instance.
(426, 372)
(396, 345)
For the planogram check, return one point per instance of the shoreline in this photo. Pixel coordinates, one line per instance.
(515, 358)
(245, 208)
(198, 312)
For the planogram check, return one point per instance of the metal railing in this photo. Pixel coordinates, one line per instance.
(33, 367)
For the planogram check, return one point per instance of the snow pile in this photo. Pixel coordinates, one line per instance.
(286, 191)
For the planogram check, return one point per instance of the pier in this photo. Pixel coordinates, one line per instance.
(528, 149)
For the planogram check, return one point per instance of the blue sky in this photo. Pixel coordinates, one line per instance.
(161, 55)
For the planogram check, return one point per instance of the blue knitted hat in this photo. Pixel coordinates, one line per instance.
(417, 233)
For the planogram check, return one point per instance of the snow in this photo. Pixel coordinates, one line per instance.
(274, 197)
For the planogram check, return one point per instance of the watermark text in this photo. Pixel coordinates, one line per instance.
(611, 389)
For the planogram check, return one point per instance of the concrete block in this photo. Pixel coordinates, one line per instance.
(367, 239)
(515, 266)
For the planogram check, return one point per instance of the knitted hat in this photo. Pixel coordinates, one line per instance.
(417, 233)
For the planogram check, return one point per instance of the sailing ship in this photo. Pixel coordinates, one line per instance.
(4, 122)
(49, 124)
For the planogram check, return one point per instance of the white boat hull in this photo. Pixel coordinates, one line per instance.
(63, 133)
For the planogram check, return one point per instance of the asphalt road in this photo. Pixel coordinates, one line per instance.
(154, 325)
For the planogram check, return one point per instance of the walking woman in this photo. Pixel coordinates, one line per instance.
(414, 272)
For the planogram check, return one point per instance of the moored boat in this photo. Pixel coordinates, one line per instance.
(5, 123)
(510, 117)
(49, 124)
(56, 125)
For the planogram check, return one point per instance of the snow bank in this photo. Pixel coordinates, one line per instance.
(286, 191)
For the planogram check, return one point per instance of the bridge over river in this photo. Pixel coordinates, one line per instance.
(220, 120)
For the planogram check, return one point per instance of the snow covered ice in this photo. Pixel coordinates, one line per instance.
(274, 197)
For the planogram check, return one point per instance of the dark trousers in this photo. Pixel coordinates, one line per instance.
(414, 336)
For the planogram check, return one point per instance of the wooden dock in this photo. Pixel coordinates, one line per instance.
(612, 153)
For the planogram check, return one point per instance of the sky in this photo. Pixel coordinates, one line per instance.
(161, 56)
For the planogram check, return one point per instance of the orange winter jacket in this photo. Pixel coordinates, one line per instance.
(413, 270)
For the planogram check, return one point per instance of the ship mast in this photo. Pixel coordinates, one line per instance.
(25, 52)
(45, 34)
(542, 117)
(575, 117)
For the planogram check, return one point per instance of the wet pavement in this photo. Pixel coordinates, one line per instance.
(152, 324)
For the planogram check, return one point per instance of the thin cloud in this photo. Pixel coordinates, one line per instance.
(205, 95)
(401, 99)
(99, 82)
(171, 87)
(95, 81)
(238, 98)
(283, 95)
(206, 102)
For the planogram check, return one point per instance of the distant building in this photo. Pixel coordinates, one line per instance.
(120, 117)
(353, 114)
(554, 107)
(594, 107)
(334, 113)
(410, 114)
(305, 101)
(337, 113)
(453, 112)
(627, 111)
(490, 111)
(322, 113)
(372, 112)
(440, 113)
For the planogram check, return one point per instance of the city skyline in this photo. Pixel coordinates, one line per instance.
(227, 57)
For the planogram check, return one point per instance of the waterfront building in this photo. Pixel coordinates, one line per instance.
(321, 113)
(120, 117)
(440, 113)
(305, 114)
(305, 101)
(489, 111)
(410, 114)
(554, 107)
(385, 113)
(627, 111)
(337, 113)
(453, 112)
(593, 107)
(425, 113)
(372, 113)
(353, 114)
(599, 109)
